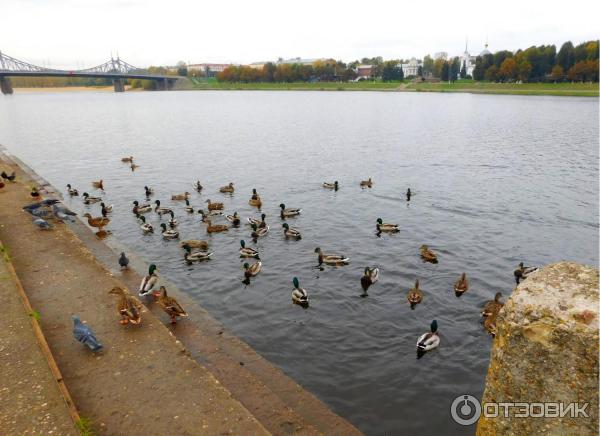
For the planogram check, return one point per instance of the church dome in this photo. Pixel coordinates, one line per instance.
(485, 51)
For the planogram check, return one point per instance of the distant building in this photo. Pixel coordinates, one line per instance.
(257, 65)
(364, 72)
(300, 61)
(208, 70)
(469, 61)
(441, 55)
(411, 68)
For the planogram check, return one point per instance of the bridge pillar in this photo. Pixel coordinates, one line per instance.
(119, 85)
(5, 85)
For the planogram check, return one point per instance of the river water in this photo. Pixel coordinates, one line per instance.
(497, 180)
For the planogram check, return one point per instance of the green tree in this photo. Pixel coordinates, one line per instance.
(558, 73)
(445, 74)
(454, 69)
(427, 66)
(524, 69)
(182, 69)
(508, 70)
(566, 56)
(491, 74)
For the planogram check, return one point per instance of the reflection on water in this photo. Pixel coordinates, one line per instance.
(495, 180)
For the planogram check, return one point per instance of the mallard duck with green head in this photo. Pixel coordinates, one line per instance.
(247, 251)
(148, 281)
(146, 227)
(386, 227)
(331, 259)
(290, 232)
(299, 295)
(195, 256)
(428, 341)
(288, 212)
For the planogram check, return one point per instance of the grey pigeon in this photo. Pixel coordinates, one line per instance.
(42, 224)
(123, 261)
(85, 335)
(62, 213)
(33, 206)
(41, 213)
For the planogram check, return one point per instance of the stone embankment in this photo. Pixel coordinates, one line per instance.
(546, 351)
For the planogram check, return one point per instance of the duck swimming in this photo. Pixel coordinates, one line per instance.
(188, 208)
(161, 210)
(214, 206)
(148, 191)
(99, 222)
(427, 255)
(385, 227)
(72, 191)
(415, 295)
(169, 234)
(408, 194)
(492, 307)
(258, 232)
(180, 197)
(195, 256)
(290, 232)
(251, 270)
(366, 183)
(195, 243)
(129, 308)
(331, 259)
(106, 209)
(255, 199)
(247, 251)
(428, 341)
(370, 277)
(173, 222)
(90, 200)
(146, 227)
(299, 295)
(227, 189)
(285, 213)
(233, 219)
(140, 209)
(333, 185)
(462, 285)
(99, 184)
(127, 159)
(197, 186)
(215, 228)
(149, 281)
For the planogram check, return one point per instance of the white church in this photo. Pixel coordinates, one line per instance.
(469, 61)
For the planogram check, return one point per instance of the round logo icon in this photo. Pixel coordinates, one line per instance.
(465, 409)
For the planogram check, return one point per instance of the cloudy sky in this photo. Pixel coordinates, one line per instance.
(77, 33)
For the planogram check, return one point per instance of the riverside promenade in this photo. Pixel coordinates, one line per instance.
(153, 379)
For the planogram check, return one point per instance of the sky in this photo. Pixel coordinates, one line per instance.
(82, 33)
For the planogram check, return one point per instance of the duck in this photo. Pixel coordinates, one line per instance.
(522, 272)
(149, 281)
(99, 222)
(197, 186)
(195, 256)
(366, 183)
(195, 243)
(333, 185)
(2, 184)
(461, 285)
(331, 259)
(256, 220)
(168, 233)
(386, 227)
(255, 199)
(72, 191)
(290, 232)
(427, 255)
(146, 227)
(99, 184)
(173, 222)
(299, 295)
(370, 277)
(215, 228)
(252, 270)
(257, 232)
(140, 208)
(227, 189)
(34, 192)
(127, 159)
(408, 194)
(288, 212)
(128, 307)
(492, 306)
(170, 305)
(10, 178)
(489, 323)
(148, 191)
(134, 166)
(106, 209)
(188, 208)
(180, 197)
(90, 200)
(209, 214)
(214, 206)
(247, 251)
(161, 210)
(428, 341)
(415, 295)
(233, 219)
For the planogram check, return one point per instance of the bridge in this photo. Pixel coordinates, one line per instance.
(115, 69)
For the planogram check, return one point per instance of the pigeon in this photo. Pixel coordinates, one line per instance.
(85, 335)
(123, 261)
(41, 213)
(42, 224)
(62, 213)
(47, 202)
(10, 178)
